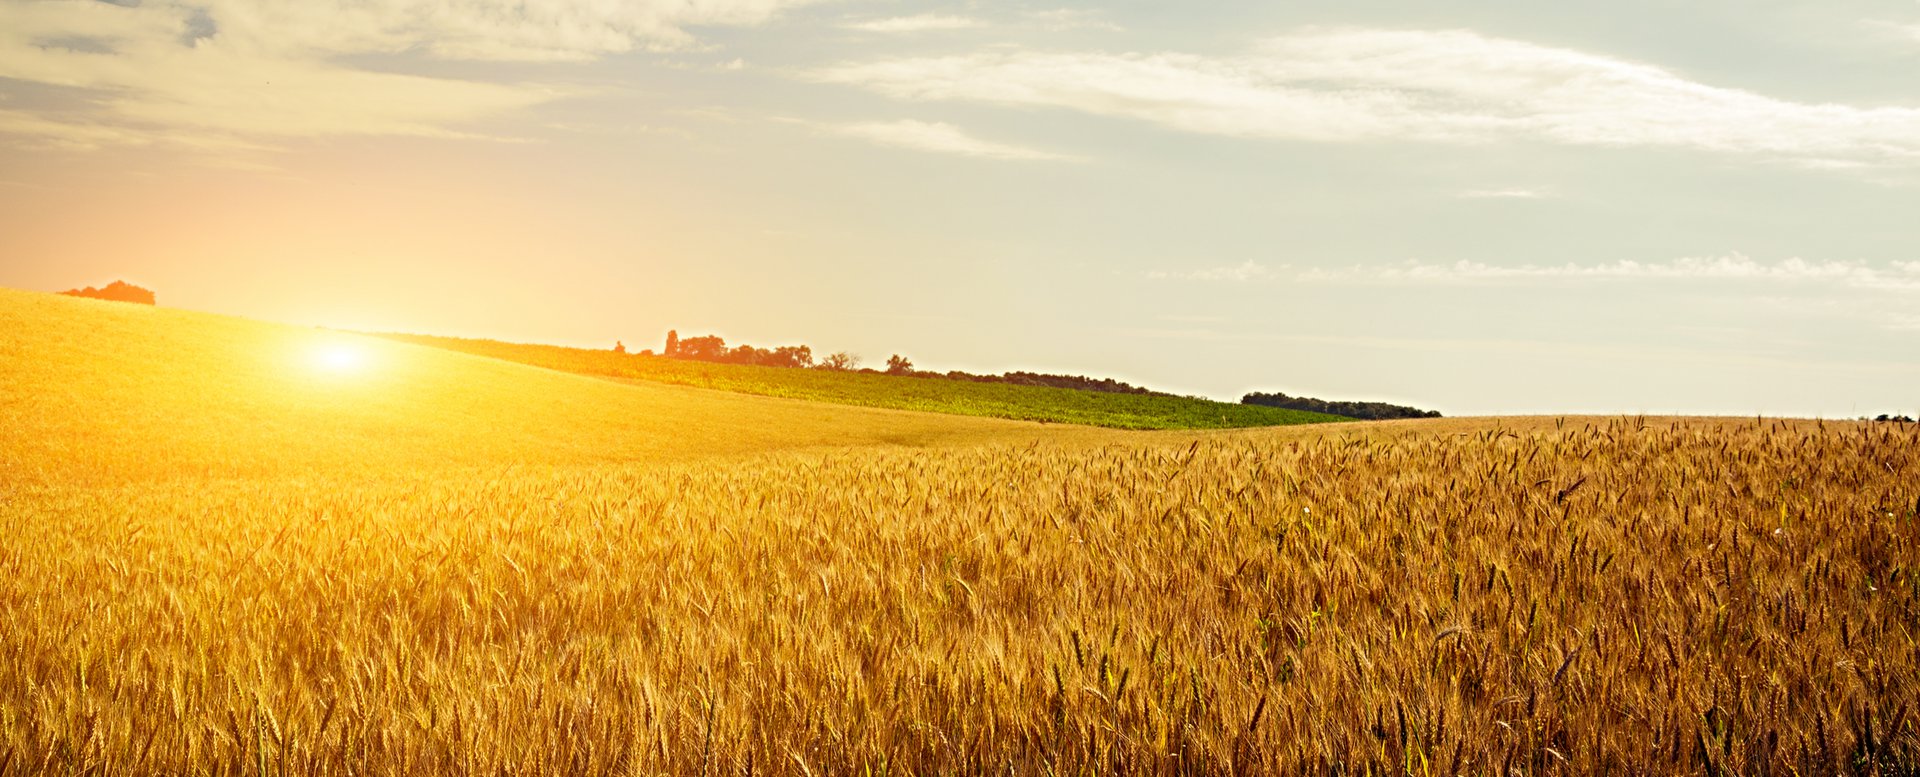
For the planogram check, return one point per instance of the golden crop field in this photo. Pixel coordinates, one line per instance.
(217, 562)
(109, 393)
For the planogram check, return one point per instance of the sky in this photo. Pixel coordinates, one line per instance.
(1494, 207)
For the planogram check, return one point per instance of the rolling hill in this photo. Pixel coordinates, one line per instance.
(107, 392)
(930, 394)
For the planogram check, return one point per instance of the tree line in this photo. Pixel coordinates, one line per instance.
(1371, 411)
(711, 348)
(1080, 382)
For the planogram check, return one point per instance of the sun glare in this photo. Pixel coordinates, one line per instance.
(337, 358)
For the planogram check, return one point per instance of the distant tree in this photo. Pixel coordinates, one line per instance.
(899, 365)
(1080, 382)
(706, 348)
(1366, 410)
(619, 347)
(747, 354)
(840, 361)
(117, 291)
(791, 356)
(673, 343)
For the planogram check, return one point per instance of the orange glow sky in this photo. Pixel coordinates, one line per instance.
(1476, 207)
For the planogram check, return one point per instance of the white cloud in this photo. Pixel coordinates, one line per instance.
(1896, 276)
(516, 30)
(1899, 277)
(248, 68)
(734, 65)
(1055, 20)
(938, 137)
(1351, 84)
(1071, 19)
(49, 133)
(1240, 273)
(917, 23)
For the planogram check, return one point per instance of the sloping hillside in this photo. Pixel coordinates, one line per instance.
(103, 392)
(924, 393)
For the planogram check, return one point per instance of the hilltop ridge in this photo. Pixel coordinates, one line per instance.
(117, 392)
(1047, 404)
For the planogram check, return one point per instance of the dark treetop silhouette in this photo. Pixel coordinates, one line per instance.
(117, 291)
(711, 348)
(1372, 411)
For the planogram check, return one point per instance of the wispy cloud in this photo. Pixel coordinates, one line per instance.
(68, 132)
(1239, 273)
(938, 137)
(227, 69)
(1071, 19)
(495, 30)
(1900, 276)
(1450, 86)
(734, 65)
(917, 23)
(1692, 356)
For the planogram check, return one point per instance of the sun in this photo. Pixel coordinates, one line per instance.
(337, 358)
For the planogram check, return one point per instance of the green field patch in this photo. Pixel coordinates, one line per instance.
(922, 393)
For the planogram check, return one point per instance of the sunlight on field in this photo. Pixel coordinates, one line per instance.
(441, 564)
(108, 393)
(335, 357)
(922, 393)
(1599, 599)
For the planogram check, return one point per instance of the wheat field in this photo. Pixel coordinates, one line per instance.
(896, 595)
(102, 393)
